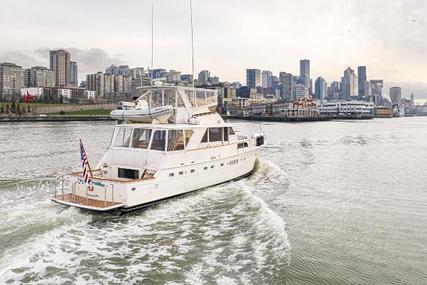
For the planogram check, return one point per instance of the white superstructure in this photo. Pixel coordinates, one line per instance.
(184, 145)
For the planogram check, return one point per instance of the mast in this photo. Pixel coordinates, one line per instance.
(152, 42)
(192, 43)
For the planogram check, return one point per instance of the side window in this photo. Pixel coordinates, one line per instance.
(176, 140)
(188, 134)
(123, 137)
(159, 140)
(230, 131)
(205, 137)
(215, 134)
(141, 138)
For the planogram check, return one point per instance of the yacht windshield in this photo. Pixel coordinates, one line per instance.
(123, 137)
(141, 138)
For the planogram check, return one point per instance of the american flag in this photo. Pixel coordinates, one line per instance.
(85, 163)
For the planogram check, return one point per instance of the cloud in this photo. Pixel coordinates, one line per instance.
(89, 60)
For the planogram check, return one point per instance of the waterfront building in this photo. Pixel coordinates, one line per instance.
(396, 96)
(412, 103)
(253, 78)
(11, 81)
(304, 75)
(351, 109)
(267, 79)
(203, 77)
(60, 64)
(349, 84)
(362, 79)
(74, 74)
(321, 88)
(287, 86)
(39, 76)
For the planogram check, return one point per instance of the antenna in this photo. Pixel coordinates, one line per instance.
(192, 43)
(152, 41)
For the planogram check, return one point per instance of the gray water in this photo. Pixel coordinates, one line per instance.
(330, 203)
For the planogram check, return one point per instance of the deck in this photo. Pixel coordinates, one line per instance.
(86, 202)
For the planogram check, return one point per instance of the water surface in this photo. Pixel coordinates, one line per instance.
(339, 202)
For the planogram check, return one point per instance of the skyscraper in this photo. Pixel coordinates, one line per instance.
(74, 74)
(287, 85)
(60, 64)
(304, 73)
(321, 88)
(349, 84)
(362, 79)
(253, 78)
(267, 79)
(396, 95)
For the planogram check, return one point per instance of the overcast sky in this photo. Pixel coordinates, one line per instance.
(388, 36)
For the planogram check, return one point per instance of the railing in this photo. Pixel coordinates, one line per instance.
(74, 188)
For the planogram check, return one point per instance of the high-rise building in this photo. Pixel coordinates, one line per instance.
(287, 86)
(253, 78)
(377, 91)
(301, 91)
(39, 76)
(118, 70)
(95, 82)
(349, 84)
(137, 72)
(11, 81)
(362, 79)
(334, 90)
(304, 73)
(321, 88)
(396, 95)
(203, 78)
(74, 74)
(267, 79)
(60, 64)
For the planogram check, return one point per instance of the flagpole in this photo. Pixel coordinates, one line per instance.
(88, 164)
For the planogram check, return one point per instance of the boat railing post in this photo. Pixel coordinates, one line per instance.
(74, 192)
(105, 196)
(87, 195)
(112, 194)
(62, 186)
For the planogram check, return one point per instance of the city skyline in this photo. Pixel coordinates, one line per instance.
(228, 42)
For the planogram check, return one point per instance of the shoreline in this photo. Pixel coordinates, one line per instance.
(56, 118)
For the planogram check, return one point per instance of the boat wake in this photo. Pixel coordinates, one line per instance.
(225, 234)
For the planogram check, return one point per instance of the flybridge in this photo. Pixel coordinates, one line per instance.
(168, 104)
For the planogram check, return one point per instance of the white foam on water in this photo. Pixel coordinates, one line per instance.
(225, 234)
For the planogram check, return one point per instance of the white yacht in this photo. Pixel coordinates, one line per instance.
(182, 145)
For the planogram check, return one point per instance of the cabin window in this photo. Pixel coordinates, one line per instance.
(123, 137)
(191, 94)
(170, 97)
(230, 131)
(128, 173)
(200, 98)
(176, 140)
(159, 140)
(242, 145)
(215, 134)
(188, 134)
(141, 138)
(205, 137)
(156, 98)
